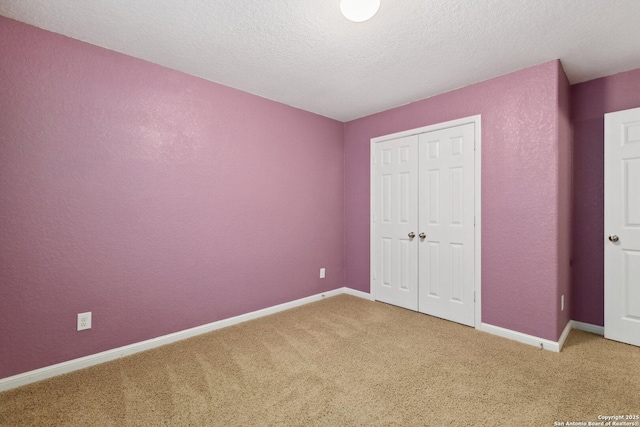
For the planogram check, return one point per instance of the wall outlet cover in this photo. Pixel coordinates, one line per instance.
(84, 321)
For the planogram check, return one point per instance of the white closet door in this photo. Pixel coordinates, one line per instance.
(622, 226)
(446, 217)
(395, 272)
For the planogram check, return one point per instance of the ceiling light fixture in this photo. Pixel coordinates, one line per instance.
(359, 10)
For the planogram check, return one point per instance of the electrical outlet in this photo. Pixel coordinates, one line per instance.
(84, 321)
(322, 273)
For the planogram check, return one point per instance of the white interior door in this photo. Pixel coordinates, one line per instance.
(446, 219)
(622, 226)
(395, 218)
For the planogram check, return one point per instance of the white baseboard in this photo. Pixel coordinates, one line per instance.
(116, 353)
(358, 294)
(541, 342)
(587, 327)
(564, 334)
(523, 338)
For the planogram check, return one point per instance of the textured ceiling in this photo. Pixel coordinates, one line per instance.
(304, 53)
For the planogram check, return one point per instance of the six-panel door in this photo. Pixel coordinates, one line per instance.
(446, 217)
(622, 226)
(395, 217)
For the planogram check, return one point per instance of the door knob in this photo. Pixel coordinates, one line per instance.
(614, 238)
(412, 235)
(422, 235)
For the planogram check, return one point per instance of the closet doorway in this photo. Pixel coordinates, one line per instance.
(425, 220)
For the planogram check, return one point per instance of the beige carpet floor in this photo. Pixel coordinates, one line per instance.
(343, 361)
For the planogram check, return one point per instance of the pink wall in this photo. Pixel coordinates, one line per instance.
(156, 200)
(520, 208)
(590, 101)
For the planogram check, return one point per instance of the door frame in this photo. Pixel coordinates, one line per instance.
(476, 120)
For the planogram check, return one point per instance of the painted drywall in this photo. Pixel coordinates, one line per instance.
(565, 198)
(519, 191)
(156, 200)
(590, 102)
